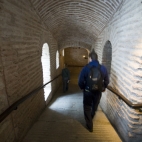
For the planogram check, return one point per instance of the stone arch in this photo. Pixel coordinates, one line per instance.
(107, 56)
(45, 59)
(67, 44)
(76, 58)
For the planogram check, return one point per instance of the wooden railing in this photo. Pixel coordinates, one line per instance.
(122, 97)
(17, 103)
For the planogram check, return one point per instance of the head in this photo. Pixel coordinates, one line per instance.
(65, 65)
(93, 55)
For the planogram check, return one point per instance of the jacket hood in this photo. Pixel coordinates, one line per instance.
(94, 63)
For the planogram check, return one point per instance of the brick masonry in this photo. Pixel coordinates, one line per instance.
(124, 33)
(76, 22)
(75, 61)
(74, 56)
(22, 35)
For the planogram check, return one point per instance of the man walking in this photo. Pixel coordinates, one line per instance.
(65, 78)
(91, 99)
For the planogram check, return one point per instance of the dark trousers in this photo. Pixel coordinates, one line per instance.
(65, 85)
(91, 102)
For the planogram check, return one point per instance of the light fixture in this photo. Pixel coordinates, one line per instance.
(85, 57)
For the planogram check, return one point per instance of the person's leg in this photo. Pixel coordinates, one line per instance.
(64, 85)
(87, 101)
(88, 118)
(67, 84)
(96, 101)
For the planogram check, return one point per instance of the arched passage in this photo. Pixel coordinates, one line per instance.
(107, 56)
(46, 69)
(76, 58)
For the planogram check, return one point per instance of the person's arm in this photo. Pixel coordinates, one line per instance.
(81, 80)
(106, 78)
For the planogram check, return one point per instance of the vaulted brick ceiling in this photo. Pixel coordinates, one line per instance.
(76, 20)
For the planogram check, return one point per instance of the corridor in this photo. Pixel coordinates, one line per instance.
(63, 121)
(38, 38)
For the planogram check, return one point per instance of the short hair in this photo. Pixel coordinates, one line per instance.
(65, 65)
(93, 55)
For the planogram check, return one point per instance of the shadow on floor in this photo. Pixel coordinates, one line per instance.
(63, 121)
(69, 104)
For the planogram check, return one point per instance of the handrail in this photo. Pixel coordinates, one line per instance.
(129, 103)
(15, 105)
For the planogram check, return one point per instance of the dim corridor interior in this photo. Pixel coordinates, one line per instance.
(63, 121)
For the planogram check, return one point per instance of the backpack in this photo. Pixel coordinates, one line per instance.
(94, 80)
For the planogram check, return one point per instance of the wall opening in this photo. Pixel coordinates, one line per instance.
(45, 59)
(57, 59)
(107, 56)
(61, 57)
(76, 58)
(63, 53)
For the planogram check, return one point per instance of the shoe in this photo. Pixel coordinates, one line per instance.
(90, 130)
(92, 115)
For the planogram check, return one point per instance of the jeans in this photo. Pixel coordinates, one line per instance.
(91, 102)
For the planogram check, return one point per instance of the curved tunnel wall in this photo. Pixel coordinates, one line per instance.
(22, 35)
(124, 33)
(21, 38)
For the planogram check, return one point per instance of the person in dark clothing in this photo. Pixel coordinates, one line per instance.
(91, 100)
(65, 78)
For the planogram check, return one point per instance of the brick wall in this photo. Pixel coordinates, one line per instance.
(70, 43)
(74, 56)
(22, 35)
(75, 61)
(124, 33)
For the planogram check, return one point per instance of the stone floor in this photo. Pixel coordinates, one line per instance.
(63, 121)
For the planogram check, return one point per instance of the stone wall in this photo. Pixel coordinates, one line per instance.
(22, 35)
(124, 33)
(74, 56)
(75, 61)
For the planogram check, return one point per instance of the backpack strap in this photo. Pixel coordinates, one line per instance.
(99, 67)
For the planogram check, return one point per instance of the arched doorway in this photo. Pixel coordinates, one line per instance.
(75, 58)
(45, 59)
(107, 56)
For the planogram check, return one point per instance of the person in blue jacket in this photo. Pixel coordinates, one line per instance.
(91, 100)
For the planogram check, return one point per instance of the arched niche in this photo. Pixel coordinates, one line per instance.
(45, 59)
(57, 59)
(107, 56)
